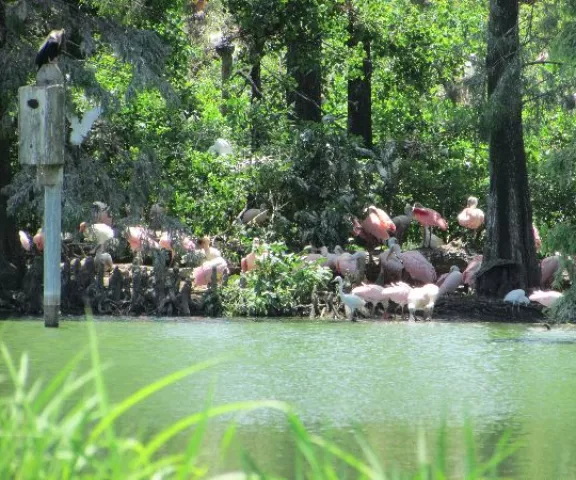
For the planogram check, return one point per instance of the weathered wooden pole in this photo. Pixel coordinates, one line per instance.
(42, 129)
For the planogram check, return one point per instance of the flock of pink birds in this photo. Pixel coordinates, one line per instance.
(407, 277)
(140, 240)
(421, 286)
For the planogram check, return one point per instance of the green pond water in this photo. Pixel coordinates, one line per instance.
(393, 382)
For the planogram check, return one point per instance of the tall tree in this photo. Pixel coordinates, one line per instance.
(509, 254)
(303, 59)
(360, 81)
(8, 233)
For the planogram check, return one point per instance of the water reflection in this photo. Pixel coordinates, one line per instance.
(389, 382)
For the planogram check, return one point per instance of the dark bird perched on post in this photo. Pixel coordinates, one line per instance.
(50, 48)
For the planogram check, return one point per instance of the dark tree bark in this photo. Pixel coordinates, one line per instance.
(303, 59)
(360, 85)
(3, 31)
(257, 129)
(225, 50)
(9, 251)
(509, 254)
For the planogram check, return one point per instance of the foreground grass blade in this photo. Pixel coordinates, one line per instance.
(159, 440)
(145, 392)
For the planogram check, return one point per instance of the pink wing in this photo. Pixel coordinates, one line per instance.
(374, 226)
(420, 269)
(469, 274)
(384, 218)
(429, 218)
(546, 298)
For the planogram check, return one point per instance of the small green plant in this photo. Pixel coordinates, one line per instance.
(281, 284)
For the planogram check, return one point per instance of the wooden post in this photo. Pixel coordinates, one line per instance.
(42, 129)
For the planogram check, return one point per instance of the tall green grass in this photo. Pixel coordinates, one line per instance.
(67, 428)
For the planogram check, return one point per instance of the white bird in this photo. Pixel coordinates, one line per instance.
(221, 147)
(517, 297)
(352, 302)
(422, 298)
(80, 128)
(99, 233)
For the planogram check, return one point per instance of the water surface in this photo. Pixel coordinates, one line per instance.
(390, 381)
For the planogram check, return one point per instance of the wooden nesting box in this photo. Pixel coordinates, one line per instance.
(41, 125)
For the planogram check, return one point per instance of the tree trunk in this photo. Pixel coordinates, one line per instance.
(225, 50)
(11, 270)
(360, 86)
(509, 254)
(257, 128)
(304, 44)
(2, 23)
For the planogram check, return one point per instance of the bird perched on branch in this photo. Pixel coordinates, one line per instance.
(51, 47)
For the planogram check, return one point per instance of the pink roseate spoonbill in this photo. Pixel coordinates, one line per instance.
(351, 302)
(352, 264)
(358, 231)
(418, 267)
(471, 217)
(331, 258)
(378, 224)
(391, 265)
(203, 273)
(422, 298)
(38, 240)
(25, 240)
(249, 261)
(210, 252)
(452, 281)
(545, 297)
(537, 239)
(187, 243)
(548, 268)
(139, 239)
(165, 243)
(402, 223)
(469, 275)
(428, 217)
(398, 293)
(371, 293)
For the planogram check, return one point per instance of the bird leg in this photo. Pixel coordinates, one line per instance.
(411, 317)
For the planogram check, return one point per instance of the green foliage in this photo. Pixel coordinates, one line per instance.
(208, 190)
(280, 284)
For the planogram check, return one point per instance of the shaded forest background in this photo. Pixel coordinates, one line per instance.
(329, 105)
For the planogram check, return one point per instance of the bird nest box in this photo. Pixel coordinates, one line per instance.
(41, 124)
